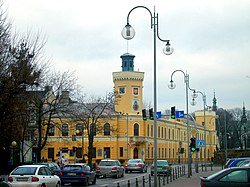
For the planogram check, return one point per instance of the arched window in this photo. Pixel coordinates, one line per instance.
(106, 129)
(79, 129)
(51, 130)
(65, 129)
(136, 129)
(148, 129)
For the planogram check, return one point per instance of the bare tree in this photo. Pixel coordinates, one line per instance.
(91, 112)
(50, 102)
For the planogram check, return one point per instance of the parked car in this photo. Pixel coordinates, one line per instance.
(163, 167)
(33, 175)
(246, 163)
(230, 177)
(135, 165)
(229, 161)
(236, 161)
(4, 184)
(110, 168)
(53, 166)
(78, 173)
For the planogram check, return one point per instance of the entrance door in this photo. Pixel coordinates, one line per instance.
(135, 153)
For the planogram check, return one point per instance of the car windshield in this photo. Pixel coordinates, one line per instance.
(107, 163)
(24, 171)
(72, 167)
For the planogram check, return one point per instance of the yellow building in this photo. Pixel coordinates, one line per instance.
(133, 137)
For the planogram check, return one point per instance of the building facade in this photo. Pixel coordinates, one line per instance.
(133, 136)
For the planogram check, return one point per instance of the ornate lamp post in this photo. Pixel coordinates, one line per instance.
(204, 109)
(128, 33)
(172, 86)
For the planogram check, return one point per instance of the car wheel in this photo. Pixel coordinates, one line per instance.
(94, 181)
(126, 171)
(152, 174)
(58, 184)
(122, 174)
(43, 185)
(86, 183)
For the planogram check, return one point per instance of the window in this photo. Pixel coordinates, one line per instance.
(159, 132)
(148, 129)
(162, 132)
(121, 151)
(236, 176)
(42, 171)
(106, 152)
(136, 91)
(173, 134)
(106, 129)
(78, 152)
(79, 129)
(51, 130)
(122, 90)
(65, 129)
(94, 152)
(51, 153)
(136, 129)
(169, 133)
(152, 130)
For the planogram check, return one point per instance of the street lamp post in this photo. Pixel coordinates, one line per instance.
(205, 136)
(172, 86)
(127, 133)
(128, 33)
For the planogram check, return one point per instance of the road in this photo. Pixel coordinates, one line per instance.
(181, 181)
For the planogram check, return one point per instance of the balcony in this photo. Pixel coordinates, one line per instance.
(138, 139)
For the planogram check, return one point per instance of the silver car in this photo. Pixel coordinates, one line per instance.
(33, 176)
(110, 168)
(135, 165)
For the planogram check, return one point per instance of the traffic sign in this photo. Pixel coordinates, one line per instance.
(200, 143)
(179, 114)
(194, 131)
(158, 114)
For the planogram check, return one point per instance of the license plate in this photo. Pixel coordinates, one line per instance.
(22, 179)
(71, 173)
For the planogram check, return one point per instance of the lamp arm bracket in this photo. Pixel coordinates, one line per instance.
(151, 16)
(157, 24)
(176, 71)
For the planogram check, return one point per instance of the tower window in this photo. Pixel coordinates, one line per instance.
(121, 90)
(136, 91)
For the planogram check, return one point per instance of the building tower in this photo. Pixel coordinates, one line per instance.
(214, 107)
(128, 85)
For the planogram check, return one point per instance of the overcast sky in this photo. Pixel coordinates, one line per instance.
(211, 41)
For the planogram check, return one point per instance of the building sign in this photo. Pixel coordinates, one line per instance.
(136, 105)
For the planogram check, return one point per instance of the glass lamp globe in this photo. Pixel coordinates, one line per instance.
(193, 102)
(194, 95)
(128, 32)
(172, 85)
(168, 50)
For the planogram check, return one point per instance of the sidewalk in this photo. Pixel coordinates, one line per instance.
(194, 180)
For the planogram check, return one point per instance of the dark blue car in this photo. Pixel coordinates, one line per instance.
(236, 162)
(78, 173)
